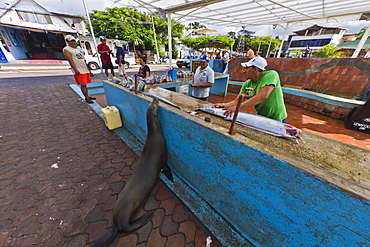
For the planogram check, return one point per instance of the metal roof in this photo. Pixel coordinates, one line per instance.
(255, 12)
(353, 44)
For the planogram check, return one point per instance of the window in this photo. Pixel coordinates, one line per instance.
(33, 17)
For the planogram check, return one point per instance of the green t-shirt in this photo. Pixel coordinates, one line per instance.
(273, 107)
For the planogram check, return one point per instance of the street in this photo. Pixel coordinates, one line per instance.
(18, 76)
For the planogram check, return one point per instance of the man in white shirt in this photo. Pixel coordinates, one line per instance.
(204, 78)
(76, 60)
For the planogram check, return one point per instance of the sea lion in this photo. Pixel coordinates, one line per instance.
(152, 160)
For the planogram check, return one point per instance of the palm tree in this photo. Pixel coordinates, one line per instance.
(195, 25)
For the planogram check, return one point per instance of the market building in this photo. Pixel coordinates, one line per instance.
(30, 31)
(313, 38)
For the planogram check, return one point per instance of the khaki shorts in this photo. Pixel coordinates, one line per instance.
(121, 69)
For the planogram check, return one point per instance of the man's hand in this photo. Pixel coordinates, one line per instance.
(77, 72)
(218, 105)
(230, 111)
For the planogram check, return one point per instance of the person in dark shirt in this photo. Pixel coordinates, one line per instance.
(144, 70)
(120, 55)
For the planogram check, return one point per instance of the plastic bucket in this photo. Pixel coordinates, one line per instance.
(172, 73)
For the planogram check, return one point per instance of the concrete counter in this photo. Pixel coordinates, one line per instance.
(271, 191)
(219, 88)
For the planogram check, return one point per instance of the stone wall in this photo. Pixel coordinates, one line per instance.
(345, 75)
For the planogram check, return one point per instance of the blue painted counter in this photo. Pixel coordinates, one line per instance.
(268, 201)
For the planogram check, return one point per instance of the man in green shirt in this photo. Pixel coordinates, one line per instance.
(264, 90)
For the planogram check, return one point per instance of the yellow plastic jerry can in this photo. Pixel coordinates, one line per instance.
(111, 116)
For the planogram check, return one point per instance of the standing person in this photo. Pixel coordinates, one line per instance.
(144, 70)
(120, 55)
(226, 57)
(105, 51)
(83, 53)
(204, 78)
(76, 60)
(203, 55)
(250, 52)
(266, 93)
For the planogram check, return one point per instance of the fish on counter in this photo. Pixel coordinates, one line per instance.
(160, 99)
(257, 122)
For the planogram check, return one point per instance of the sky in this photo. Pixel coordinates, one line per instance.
(77, 7)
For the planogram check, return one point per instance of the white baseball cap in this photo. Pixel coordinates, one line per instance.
(70, 38)
(258, 62)
(117, 43)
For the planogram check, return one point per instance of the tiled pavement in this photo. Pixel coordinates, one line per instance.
(60, 172)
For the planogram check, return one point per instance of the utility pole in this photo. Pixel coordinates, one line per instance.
(91, 29)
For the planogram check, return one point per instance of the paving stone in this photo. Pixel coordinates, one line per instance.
(4, 224)
(156, 239)
(168, 226)
(179, 214)
(103, 195)
(144, 232)
(5, 183)
(117, 187)
(109, 204)
(77, 241)
(125, 171)
(163, 193)
(107, 172)
(76, 227)
(158, 218)
(81, 177)
(19, 217)
(189, 230)
(27, 240)
(95, 230)
(175, 240)
(6, 168)
(128, 240)
(168, 205)
(29, 226)
(96, 214)
(151, 203)
(86, 194)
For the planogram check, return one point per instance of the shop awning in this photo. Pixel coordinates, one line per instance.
(39, 28)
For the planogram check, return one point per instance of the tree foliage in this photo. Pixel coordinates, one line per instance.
(194, 25)
(202, 42)
(130, 24)
(329, 51)
(261, 44)
(361, 33)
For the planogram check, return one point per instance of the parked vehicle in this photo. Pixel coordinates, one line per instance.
(93, 62)
(185, 61)
(93, 58)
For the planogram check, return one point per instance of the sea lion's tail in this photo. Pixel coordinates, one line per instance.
(106, 238)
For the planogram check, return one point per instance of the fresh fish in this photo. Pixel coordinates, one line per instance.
(258, 122)
(160, 99)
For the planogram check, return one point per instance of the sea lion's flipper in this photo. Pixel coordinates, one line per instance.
(106, 238)
(167, 172)
(139, 222)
